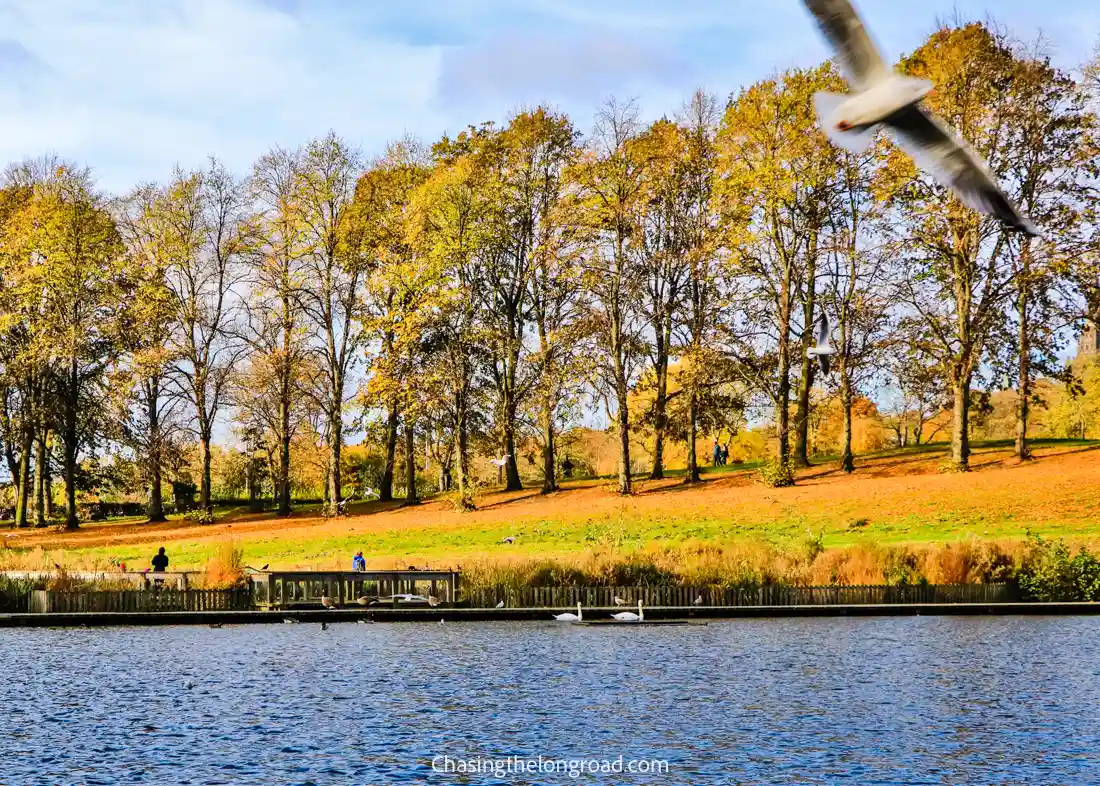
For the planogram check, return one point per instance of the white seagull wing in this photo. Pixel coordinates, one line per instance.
(856, 53)
(949, 159)
(822, 330)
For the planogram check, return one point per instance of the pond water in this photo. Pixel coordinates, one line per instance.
(908, 700)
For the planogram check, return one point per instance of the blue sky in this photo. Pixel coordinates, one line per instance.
(131, 87)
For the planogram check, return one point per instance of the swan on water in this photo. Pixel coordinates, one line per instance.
(570, 616)
(630, 616)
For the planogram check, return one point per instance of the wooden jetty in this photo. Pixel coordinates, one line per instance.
(280, 590)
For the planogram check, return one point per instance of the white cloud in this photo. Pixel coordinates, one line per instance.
(132, 86)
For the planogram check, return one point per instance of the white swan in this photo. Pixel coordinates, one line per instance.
(630, 616)
(570, 616)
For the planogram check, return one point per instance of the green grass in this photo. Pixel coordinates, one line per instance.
(994, 503)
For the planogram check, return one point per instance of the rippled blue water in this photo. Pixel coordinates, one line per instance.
(907, 700)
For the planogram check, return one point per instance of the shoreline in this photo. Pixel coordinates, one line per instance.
(656, 613)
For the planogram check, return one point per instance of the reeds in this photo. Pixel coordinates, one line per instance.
(751, 563)
(225, 568)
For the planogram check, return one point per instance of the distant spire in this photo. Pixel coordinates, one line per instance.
(1089, 343)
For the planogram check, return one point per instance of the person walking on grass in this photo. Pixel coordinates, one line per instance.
(716, 459)
(358, 563)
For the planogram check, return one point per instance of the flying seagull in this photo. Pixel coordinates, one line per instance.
(499, 462)
(881, 96)
(369, 492)
(509, 539)
(821, 350)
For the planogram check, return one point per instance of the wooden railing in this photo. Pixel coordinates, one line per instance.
(45, 601)
(766, 595)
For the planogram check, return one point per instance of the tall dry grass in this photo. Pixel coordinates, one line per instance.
(701, 564)
(225, 568)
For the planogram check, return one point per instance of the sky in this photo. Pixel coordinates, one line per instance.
(133, 87)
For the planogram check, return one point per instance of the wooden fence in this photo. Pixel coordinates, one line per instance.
(13, 602)
(45, 601)
(768, 595)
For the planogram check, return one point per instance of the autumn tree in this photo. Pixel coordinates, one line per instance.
(775, 169)
(205, 216)
(388, 238)
(960, 277)
(151, 430)
(277, 380)
(334, 272)
(609, 183)
(856, 286)
(76, 281)
(446, 224)
(662, 261)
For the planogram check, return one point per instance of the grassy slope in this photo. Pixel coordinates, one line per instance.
(894, 497)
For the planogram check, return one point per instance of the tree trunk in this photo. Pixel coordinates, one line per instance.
(808, 366)
(692, 475)
(1023, 406)
(335, 445)
(549, 478)
(960, 436)
(23, 481)
(411, 497)
(47, 476)
(154, 508)
(207, 477)
(625, 482)
(385, 485)
(847, 458)
(462, 460)
(40, 473)
(282, 485)
(660, 417)
(255, 503)
(511, 469)
(783, 393)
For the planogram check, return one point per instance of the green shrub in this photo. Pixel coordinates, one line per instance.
(1051, 573)
(201, 516)
(776, 473)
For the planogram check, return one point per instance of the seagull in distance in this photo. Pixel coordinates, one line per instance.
(881, 96)
(821, 350)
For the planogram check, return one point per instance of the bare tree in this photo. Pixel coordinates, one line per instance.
(205, 220)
